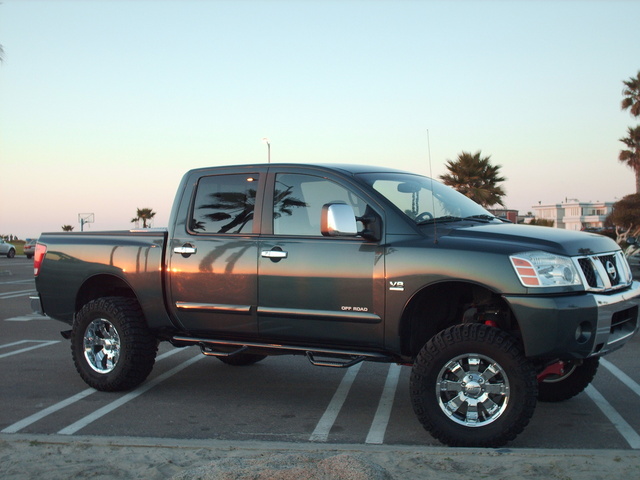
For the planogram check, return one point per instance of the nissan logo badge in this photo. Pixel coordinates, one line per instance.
(611, 269)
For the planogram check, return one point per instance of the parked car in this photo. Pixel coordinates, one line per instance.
(632, 252)
(30, 248)
(7, 249)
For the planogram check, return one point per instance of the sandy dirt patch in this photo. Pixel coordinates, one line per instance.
(78, 457)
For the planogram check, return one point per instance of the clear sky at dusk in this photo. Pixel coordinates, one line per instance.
(105, 104)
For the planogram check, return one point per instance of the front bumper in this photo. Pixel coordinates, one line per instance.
(576, 326)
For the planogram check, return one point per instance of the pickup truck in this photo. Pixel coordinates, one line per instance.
(345, 263)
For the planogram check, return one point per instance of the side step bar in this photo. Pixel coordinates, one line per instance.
(323, 357)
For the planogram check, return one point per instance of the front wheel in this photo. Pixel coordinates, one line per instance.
(471, 386)
(112, 347)
(11, 253)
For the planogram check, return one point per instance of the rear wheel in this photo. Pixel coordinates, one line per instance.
(574, 379)
(11, 253)
(471, 386)
(112, 347)
(242, 359)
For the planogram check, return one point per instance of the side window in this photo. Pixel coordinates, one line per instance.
(224, 204)
(298, 201)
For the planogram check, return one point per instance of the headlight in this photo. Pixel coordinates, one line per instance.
(542, 269)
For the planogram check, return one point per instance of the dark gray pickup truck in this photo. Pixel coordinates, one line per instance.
(345, 263)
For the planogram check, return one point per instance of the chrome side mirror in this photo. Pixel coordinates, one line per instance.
(338, 220)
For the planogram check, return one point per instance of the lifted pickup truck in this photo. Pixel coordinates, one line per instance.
(345, 263)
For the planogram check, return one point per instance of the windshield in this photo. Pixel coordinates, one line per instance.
(424, 200)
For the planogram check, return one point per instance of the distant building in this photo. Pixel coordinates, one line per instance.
(511, 215)
(575, 215)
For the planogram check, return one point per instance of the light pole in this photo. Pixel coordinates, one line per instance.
(266, 140)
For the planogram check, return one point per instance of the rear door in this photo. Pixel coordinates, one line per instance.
(315, 289)
(213, 255)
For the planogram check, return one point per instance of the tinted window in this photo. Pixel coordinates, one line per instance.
(298, 201)
(224, 204)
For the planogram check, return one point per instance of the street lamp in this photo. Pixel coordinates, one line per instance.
(266, 140)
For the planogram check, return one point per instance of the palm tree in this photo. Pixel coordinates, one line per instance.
(144, 214)
(631, 92)
(67, 228)
(473, 176)
(631, 157)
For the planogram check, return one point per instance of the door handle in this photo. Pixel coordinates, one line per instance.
(185, 250)
(274, 254)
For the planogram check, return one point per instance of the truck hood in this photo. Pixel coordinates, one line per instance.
(513, 238)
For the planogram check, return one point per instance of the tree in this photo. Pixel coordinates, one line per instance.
(67, 228)
(542, 222)
(631, 92)
(625, 217)
(631, 156)
(144, 214)
(473, 176)
(631, 102)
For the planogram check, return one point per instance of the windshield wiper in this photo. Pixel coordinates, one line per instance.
(446, 218)
(483, 218)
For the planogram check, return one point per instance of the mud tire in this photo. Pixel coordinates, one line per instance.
(492, 361)
(111, 346)
(577, 377)
(242, 359)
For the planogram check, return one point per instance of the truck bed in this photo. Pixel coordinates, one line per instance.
(77, 262)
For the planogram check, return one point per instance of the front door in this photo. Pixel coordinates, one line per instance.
(314, 288)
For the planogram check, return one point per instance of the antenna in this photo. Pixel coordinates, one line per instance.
(433, 200)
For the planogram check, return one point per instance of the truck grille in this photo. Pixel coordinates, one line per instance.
(603, 272)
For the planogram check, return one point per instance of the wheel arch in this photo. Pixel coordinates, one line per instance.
(441, 305)
(103, 285)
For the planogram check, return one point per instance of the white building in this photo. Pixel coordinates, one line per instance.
(575, 215)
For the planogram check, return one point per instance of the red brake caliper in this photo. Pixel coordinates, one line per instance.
(553, 369)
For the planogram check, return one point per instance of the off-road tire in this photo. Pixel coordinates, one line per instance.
(242, 359)
(576, 378)
(485, 366)
(111, 346)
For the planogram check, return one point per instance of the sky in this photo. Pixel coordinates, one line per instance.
(104, 105)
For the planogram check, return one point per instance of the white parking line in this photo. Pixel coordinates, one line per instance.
(14, 282)
(18, 293)
(623, 377)
(321, 432)
(381, 419)
(40, 344)
(25, 422)
(629, 434)
(83, 422)
(27, 318)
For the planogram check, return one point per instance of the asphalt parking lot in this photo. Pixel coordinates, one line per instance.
(281, 399)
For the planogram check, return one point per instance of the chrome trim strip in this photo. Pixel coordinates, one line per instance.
(213, 307)
(358, 317)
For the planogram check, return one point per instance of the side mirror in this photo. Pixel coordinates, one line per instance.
(338, 220)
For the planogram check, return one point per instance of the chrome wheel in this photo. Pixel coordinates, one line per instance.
(101, 345)
(472, 390)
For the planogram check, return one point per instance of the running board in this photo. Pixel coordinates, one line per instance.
(322, 357)
(335, 361)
